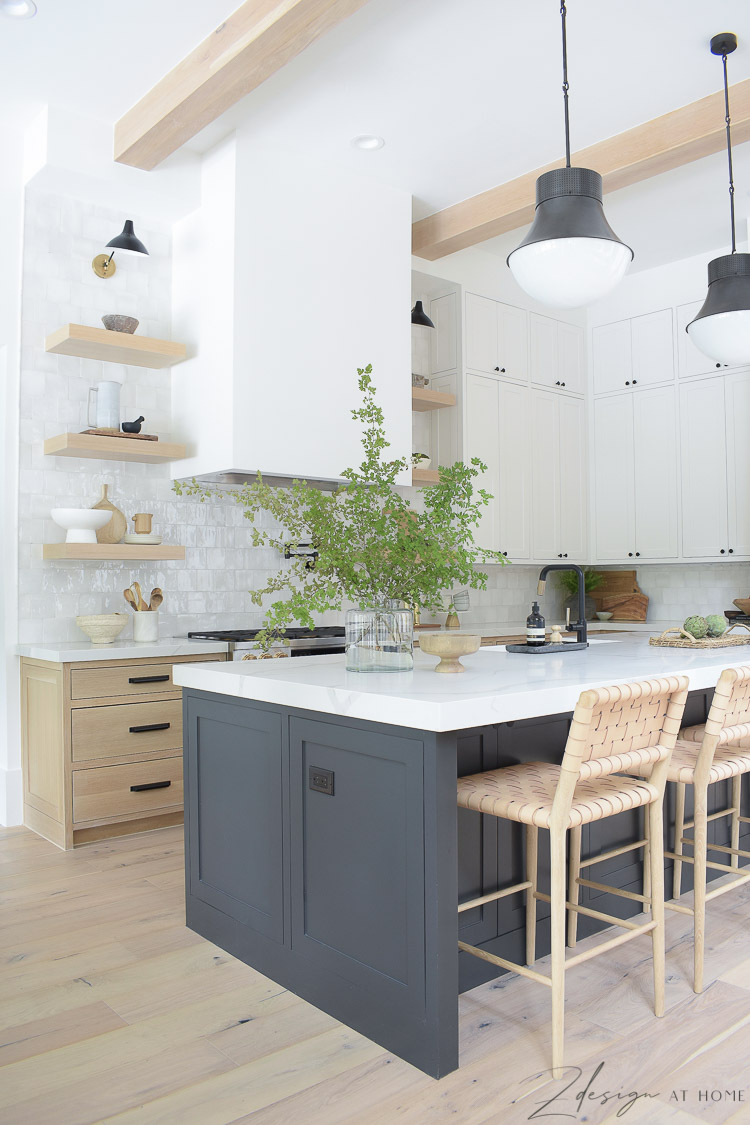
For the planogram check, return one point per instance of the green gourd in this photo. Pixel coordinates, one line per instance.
(717, 624)
(696, 626)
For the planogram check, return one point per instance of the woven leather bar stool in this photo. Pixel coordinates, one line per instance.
(612, 728)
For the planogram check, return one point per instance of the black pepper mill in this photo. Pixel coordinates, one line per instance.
(535, 627)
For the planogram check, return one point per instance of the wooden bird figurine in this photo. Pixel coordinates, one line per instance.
(133, 427)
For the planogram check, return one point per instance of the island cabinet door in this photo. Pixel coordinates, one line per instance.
(234, 812)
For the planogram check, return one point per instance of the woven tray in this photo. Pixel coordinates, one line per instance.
(685, 640)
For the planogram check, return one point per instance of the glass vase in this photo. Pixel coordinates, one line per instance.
(379, 639)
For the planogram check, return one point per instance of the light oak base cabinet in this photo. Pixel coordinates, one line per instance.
(102, 747)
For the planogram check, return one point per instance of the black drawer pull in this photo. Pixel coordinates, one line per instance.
(150, 785)
(149, 726)
(148, 679)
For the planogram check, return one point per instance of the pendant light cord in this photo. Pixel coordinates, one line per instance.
(728, 120)
(566, 84)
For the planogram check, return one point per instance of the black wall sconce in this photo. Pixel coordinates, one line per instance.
(127, 240)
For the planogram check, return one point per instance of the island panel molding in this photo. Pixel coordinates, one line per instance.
(251, 44)
(114, 347)
(670, 141)
(102, 448)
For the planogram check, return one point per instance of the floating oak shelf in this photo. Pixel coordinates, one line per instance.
(112, 552)
(114, 347)
(113, 448)
(422, 398)
(425, 476)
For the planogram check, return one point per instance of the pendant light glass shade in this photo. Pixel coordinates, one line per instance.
(721, 329)
(571, 256)
(419, 316)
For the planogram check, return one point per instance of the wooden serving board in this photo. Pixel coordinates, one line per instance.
(621, 595)
(119, 433)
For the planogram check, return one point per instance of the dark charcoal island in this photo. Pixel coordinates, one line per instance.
(323, 842)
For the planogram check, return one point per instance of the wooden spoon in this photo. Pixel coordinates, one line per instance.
(157, 598)
(130, 598)
(137, 588)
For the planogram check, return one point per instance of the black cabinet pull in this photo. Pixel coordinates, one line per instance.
(149, 726)
(150, 785)
(148, 679)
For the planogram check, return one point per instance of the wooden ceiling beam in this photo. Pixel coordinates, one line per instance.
(666, 142)
(256, 41)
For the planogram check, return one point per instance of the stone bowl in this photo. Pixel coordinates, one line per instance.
(604, 615)
(449, 646)
(114, 322)
(102, 628)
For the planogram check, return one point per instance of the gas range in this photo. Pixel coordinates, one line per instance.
(320, 641)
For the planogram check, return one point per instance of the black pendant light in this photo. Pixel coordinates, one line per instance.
(721, 329)
(127, 240)
(571, 256)
(419, 316)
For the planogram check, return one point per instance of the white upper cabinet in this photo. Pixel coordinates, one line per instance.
(444, 340)
(692, 361)
(652, 346)
(704, 468)
(635, 468)
(556, 354)
(559, 477)
(611, 357)
(496, 431)
(496, 338)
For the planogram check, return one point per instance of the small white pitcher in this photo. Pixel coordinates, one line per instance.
(105, 407)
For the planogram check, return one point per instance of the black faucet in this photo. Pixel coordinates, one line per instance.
(579, 625)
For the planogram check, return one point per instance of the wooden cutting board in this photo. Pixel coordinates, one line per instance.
(621, 595)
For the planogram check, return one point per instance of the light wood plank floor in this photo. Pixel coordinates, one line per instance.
(111, 1010)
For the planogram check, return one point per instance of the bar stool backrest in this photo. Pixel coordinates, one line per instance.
(621, 727)
(728, 720)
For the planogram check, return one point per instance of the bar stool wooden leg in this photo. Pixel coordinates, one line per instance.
(679, 830)
(646, 854)
(532, 855)
(574, 871)
(557, 942)
(654, 813)
(736, 799)
(700, 833)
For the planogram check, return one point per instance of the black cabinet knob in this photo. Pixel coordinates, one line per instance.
(731, 550)
(721, 552)
(557, 384)
(634, 382)
(718, 365)
(497, 369)
(627, 382)
(559, 556)
(502, 370)
(562, 384)
(565, 555)
(630, 554)
(637, 554)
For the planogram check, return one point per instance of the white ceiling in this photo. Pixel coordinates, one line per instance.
(466, 93)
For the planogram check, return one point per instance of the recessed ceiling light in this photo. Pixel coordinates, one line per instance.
(367, 141)
(18, 9)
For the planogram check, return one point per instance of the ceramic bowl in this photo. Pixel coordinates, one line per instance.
(449, 646)
(114, 322)
(603, 615)
(81, 524)
(102, 628)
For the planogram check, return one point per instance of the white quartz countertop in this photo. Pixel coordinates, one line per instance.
(68, 652)
(496, 687)
(515, 629)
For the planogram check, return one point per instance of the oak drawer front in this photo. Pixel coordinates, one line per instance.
(127, 728)
(135, 788)
(133, 679)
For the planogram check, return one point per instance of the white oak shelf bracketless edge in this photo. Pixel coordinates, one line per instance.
(113, 449)
(106, 552)
(425, 476)
(422, 398)
(114, 347)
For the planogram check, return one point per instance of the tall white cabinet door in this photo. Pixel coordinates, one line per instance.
(652, 348)
(570, 367)
(572, 477)
(481, 411)
(512, 343)
(655, 473)
(692, 360)
(444, 340)
(704, 468)
(737, 392)
(545, 483)
(613, 476)
(611, 356)
(481, 333)
(515, 472)
(543, 364)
